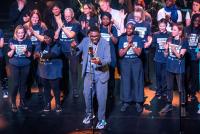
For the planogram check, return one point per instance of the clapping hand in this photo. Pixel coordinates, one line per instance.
(122, 14)
(12, 47)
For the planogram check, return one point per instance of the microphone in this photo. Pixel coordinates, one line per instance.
(90, 50)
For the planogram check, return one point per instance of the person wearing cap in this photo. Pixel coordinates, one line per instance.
(95, 72)
(49, 69)
(132, 76)
(65, 34)
(109, 33)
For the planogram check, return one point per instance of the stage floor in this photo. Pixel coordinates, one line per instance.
(70, 120)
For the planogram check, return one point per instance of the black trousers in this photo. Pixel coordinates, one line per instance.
(48, 85)
(3, 74)
(111, 81)
(19, 76)
(161, 82)
(71, 64)
(170, 86)
(192, 77)
(33, 76)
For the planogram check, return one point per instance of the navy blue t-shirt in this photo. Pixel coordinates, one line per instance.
(66, 41)
(50, 68)
(130, 54)
(159, 40)
(19, 58)
(174, 64)
(1, 49)
(106, 36)
(143, 29)
(39, 30)
(193, 40)
(93, 21)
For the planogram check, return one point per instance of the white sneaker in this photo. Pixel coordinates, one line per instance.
(101, 124)
(88, 118)
(5, 94)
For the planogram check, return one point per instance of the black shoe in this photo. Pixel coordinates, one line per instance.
(183, 111)
(167, 108)
(58, 109)
(193, 97)
(23, 105)
(75, 93)
(164, 95)
(40, 95)
(28, 95)
(124, 107)
(158, 95)
(14, 108)
(47, 108)
(139, 108)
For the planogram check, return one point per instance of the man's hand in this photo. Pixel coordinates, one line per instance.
(96, 60)
(36, 55)
(73, 44)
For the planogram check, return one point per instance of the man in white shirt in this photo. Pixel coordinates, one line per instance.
(171, 13)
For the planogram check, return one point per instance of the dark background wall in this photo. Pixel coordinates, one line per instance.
(4, 8)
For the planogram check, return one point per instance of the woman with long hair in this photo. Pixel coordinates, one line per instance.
(88, 18)
(35, 28)
(175, 49)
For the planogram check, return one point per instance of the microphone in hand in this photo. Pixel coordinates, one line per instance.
(90, 51)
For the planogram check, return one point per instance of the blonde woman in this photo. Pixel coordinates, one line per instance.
(19, 53)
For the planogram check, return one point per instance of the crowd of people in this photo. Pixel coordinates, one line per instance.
(48, 42)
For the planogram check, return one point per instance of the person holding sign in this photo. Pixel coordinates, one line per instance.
(132, 75)
(175, 50)
(19, 53)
